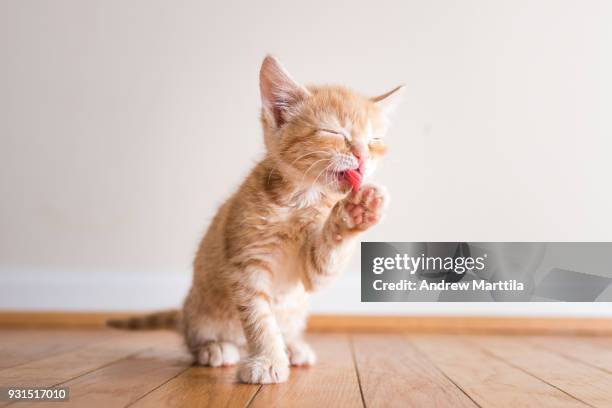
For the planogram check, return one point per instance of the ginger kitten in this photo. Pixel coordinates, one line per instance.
(288, 229)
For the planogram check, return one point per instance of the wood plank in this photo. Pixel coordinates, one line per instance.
(393, 373)
(596, 352)
(117, 368)
(584, 382)
(23, 346)
(127, 380)
(63, 367)
(201, 387)
(331, 382)
(489, 381)
(356, 323)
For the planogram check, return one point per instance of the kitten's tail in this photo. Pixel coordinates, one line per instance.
(167, 319)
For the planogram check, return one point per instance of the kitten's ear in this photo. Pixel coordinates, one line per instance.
(279, 93)
(389, 101)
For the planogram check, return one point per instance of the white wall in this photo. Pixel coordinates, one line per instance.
(123, 125)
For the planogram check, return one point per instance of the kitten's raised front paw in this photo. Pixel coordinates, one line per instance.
(363, 208)
(301, 354)
(216, 354)
(264, 370)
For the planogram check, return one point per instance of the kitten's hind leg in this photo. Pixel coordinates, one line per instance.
(217, 354)
(292, 319)
(212, 342)
(300, 353)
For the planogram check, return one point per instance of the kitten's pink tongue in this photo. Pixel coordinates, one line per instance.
(354, 176)
(354, 179)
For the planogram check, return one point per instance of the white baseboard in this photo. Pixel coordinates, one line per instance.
(91, 291)
(32, 290)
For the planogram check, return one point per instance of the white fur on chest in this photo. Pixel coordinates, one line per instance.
(288, 270)
(295, 221)
(289, 262)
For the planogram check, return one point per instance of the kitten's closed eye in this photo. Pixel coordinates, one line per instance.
(377, 146)
(332, 132)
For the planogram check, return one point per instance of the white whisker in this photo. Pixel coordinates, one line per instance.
(322, 171)
(307, 154)
(304, 176)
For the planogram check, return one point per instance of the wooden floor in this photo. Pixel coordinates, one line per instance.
(147, 369)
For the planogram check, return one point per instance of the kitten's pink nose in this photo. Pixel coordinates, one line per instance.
(360, 159)
(359, 155)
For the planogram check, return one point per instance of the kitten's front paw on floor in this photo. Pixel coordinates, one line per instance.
(264, 370)
(301, 354)
(217, 354)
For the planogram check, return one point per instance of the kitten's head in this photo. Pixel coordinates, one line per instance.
(322, 136)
